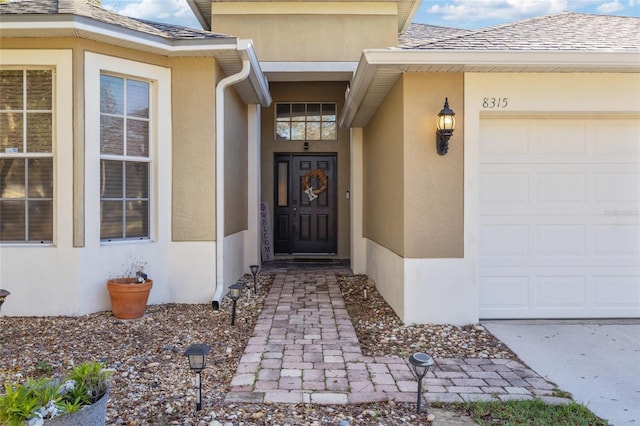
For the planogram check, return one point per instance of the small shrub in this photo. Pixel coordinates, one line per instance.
(46, 398)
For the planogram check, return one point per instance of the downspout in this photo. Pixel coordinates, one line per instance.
(220, 88)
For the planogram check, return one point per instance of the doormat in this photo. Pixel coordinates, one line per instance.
(314, 260)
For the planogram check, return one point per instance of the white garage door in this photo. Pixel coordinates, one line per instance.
(559, 218)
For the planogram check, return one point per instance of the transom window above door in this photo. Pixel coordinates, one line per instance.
(306, 122)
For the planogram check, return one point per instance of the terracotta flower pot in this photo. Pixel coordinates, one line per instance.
(128, 300)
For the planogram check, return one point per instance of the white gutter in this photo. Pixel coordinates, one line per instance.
(76, 26)
(220, 88)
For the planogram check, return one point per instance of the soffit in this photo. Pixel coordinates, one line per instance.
(406, 9)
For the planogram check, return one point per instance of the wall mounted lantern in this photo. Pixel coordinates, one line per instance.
(254, 272)
(421, 363)
(234, 294)
(445, 127)
(197, 355)
(3, 295)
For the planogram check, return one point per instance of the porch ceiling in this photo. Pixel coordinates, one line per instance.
(380, 69)
(406, 10)
(309, 71)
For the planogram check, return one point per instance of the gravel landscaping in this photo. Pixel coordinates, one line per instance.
(154, 386)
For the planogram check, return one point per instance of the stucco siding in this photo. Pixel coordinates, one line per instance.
(384, 190)
(193, 192)
(309, 31)
(433, 184)
(235, 163)
(387, 269)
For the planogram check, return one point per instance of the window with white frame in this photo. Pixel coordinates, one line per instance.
(306, 122)
(125, 162)
(26, 155)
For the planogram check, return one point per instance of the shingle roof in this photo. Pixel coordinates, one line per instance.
(419, 34)
(85, 9)
(568, 31)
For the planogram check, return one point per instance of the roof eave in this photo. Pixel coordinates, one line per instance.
(202, 10)
(63, 25)
(193, 5)
(387, 65)
(66, 26)
(256, 76)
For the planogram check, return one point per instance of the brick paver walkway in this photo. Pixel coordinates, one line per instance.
(304, 349)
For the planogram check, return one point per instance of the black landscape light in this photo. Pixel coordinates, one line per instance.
(254, 272)
(234, 294)
(3, 295)
(421, 363)
(197, 355)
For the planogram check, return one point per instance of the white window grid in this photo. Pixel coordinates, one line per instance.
(32, 155)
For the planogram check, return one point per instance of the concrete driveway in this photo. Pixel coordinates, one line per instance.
(598, 362)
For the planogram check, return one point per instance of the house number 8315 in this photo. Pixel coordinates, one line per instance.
(491, 103)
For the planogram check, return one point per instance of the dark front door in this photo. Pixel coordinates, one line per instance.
(305, 204)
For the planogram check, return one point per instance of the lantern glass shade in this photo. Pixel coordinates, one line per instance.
(197, 355)
(235, 290)
(446, 122)
(446, 118)
(421, 363)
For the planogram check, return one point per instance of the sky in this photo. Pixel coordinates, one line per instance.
(469, 14)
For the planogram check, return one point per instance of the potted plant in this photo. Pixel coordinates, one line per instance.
(129, 293)
(80, 398)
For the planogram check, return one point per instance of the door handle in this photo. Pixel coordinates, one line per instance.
(295, 211)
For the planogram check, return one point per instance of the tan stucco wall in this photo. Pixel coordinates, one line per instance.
(308, 92)
(235, 163)
(413, 201)
(433, 184)
(194, 156)
(384, 190)
(309, 31)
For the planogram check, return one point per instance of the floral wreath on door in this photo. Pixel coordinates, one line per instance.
(306, 183)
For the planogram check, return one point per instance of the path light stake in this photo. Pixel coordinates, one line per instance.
(421, 363)
(254, 272)
(234, 294)
(197, 355)
(3, 295)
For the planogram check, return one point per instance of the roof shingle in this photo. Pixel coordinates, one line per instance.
(568, 31)
(85, 9)
(419, 34)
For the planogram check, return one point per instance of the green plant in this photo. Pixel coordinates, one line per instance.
(50, 397)
(531, 412)
(43, 367)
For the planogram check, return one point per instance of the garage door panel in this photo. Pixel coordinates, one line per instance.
(505, 140)
(561, 240)
(560, 291)
(504, 240)
(505, 291)
(560, 220)
(618, 240)
(615, 138)
(505, 188)
(618, 187)
(617, 291)
(560, 139)
(561, 187)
